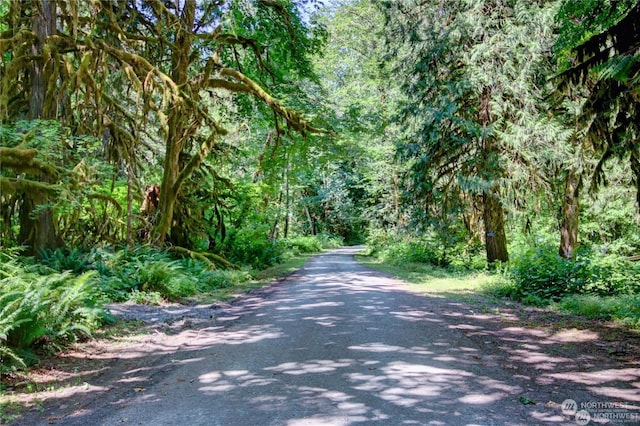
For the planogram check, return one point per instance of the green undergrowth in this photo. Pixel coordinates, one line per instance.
(59, 299)
(431, 279)
(244, 281)
(592, 285)
(43, 310)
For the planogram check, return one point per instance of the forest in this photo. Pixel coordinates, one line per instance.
(176, 150)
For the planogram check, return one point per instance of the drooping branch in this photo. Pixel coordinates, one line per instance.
(622, 38)
(24, 161)
(294, 119)
(10, 186)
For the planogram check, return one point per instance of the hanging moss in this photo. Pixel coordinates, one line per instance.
(11, 186)
(24, 161)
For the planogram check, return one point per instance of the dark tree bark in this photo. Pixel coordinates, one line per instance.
(287, 200)
(495, 238)
(37, 229)
(570, 213)
(493, 213)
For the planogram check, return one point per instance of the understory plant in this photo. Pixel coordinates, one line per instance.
(539, 273)
(44, 310)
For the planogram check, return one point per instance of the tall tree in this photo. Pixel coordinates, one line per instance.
(473, 87)
(37, 228)
(598, 53)
(468, 88)
(362, 100)
(597, 60)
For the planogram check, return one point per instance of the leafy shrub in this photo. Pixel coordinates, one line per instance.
(540, 273)
(588, 305)
(303, 244)
(65, 259)
(44, 309)
(213, 280)
(501, 286)
(429, 248)
(379, 239)
(251, 246)
(625, 308)
(329, 241)
(145, 297)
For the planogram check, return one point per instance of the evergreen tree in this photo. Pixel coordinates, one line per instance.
(598, 56)
(470, 72)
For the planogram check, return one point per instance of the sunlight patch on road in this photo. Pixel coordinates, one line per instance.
(574, 336)
(382, 347)
(326, 420)
(416, 316)
(618, 394)
(339, 408)
(482, 398)
(312, 366)
(540, 361)
(407, 384)
(310, 306)
(599, 377)
(226, 381)
(324, 320)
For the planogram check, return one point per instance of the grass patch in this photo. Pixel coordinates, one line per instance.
(430, 279)
(480, 287)
(240, 282)
(624, 309)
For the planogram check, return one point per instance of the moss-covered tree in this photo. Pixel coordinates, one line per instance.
(151, 74)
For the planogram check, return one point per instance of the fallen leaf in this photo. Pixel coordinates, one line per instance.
(526, 401)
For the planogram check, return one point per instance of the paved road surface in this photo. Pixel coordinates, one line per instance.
(336, 344)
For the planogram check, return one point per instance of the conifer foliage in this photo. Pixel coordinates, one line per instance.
(469, 75)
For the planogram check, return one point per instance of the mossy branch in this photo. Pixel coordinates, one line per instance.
(294, 119)
(208, 258)
(108, 199)
(10, 186)
(23, 161)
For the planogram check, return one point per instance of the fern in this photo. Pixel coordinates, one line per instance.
(44, 310)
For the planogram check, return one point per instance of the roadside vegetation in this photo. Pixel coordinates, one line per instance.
(48, 303)
(593, 284)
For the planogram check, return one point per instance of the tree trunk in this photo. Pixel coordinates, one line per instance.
(37, 230)
(168, 195)
(570, 213)
(493, 213)
(396, 198)
(312, 223)
(495, 238)
(178, 117)
(129, 205)
(287, 200)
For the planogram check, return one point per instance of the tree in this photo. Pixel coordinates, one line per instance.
(597, 59)
(362, 182)
(470, 72)
(153, 73)
(37, 228)
(601, 58)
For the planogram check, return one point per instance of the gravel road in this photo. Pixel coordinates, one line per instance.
(339, 344)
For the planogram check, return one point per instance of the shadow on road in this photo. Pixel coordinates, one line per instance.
(338, 344)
